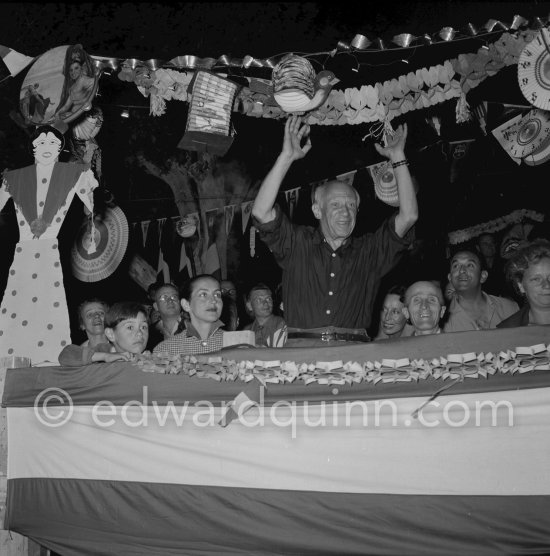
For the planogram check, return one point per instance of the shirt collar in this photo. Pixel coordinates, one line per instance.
(192, 331)
(319, 238)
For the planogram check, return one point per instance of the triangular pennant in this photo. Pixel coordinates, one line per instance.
(144, 230)
(163, 271)
(211, 263)
(15, 62)
(458, 151)
(246, 211)
(347, 178)
(229, 215)
(292, 201)
(152, 244)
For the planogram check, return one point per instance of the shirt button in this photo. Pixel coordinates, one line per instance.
(334, 254)
(204, 344)
(328, 311)
(330, 293)
(332, 274)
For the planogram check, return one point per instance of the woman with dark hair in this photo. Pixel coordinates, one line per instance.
(393, 322)
(34, 319)
(79, 81)
(201, 300)
(528, 270)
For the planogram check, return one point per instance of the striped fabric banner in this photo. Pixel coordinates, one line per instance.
(140, 463)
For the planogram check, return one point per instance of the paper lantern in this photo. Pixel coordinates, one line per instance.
(209, 118)
(293, 83)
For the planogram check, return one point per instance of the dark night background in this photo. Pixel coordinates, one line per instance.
(489, 183)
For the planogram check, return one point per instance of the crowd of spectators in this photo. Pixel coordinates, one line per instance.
(188, 319)
(331, 279)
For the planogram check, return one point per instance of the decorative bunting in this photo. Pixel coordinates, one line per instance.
(347, 178)
(460, 236)
(14, 61)
(291, 196)
(211, 258)
(144, 230)
(229, 215)
(252, 241)
(458, 151)
(246, 211)
(162, 266)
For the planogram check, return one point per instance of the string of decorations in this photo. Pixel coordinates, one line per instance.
(358, 45)
(371, 103)
(451, 367)
(460, 236)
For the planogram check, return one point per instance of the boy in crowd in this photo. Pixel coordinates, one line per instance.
(270, 330)
(127, 331)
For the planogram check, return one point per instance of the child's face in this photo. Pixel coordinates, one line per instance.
(261, 303)
(130, 334)
(205, 305)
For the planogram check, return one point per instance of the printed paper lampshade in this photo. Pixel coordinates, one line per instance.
(293, 83)
(209, 118)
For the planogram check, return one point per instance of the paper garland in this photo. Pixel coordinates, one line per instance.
(460, 236)
(371, 103)
(454, 367)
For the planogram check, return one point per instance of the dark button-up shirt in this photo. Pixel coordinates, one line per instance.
(322, 287)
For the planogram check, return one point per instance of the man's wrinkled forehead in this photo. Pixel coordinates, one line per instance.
(337, 189)
(465, 256)
(425, 289)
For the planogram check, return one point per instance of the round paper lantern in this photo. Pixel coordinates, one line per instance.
(293, 82)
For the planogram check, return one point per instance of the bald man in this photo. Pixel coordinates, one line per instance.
(424, 307)
(330, 279)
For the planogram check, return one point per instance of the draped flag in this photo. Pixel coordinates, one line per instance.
(14, 61)
(145, 463)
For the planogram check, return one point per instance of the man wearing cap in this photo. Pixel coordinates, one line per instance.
(330, 279)
(471, 308)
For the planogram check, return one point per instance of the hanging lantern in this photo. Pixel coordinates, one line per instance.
(293, 83)
(208, 121)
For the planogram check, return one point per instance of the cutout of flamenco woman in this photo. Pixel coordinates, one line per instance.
(34, 320)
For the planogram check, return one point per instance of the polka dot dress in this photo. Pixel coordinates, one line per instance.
(34, 319)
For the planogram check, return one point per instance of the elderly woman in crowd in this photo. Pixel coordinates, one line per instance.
(529, 272)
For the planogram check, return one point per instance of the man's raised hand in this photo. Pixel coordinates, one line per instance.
(395, 149)
(295, 132)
